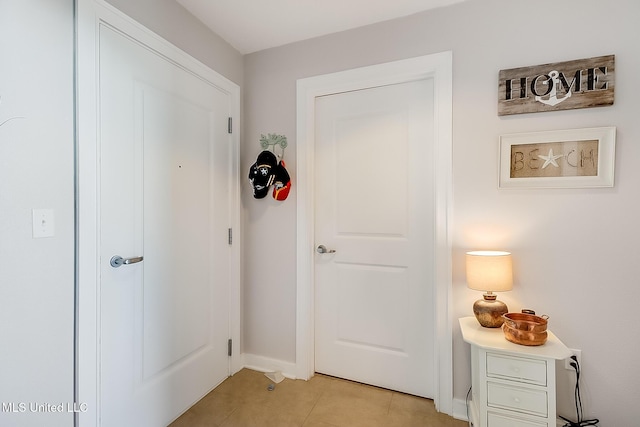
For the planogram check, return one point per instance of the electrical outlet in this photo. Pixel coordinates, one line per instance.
(568, 360)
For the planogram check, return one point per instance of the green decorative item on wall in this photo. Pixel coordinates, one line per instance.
(271, 140)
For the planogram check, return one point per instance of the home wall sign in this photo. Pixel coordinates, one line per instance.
(581, 83)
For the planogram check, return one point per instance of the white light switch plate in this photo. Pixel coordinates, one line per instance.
(43, 223)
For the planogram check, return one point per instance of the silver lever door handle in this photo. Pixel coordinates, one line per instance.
(322, 249)
(117, 261)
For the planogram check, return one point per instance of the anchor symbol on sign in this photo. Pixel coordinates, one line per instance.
(553, 97)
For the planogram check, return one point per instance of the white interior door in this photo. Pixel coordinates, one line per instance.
(164, 195)
(374, 205)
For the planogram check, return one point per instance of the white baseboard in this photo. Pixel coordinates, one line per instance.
(460, 410)
(266, 364)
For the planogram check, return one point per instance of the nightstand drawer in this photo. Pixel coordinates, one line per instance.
(517, 368)
(500, 420)
(517, 399)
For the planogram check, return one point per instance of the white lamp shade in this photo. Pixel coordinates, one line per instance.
(489, 271)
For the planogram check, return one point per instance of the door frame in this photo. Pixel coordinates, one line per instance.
(90, 14)
(439, 67)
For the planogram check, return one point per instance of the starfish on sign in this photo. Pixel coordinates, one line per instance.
(550, 159)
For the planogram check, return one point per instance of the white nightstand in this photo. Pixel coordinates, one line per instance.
(512, 385)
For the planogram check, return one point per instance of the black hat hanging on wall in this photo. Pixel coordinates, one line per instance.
(261, 174)
(269, 171)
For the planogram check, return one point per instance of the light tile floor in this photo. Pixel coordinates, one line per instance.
(245, 401)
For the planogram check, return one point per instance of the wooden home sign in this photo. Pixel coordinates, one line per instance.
(582, 83)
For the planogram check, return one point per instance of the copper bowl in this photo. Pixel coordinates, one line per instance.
(526, 322)
(518, 336)
(525, 328)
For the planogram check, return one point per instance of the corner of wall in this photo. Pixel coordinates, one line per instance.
(266, 364)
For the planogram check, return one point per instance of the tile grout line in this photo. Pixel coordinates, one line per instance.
(316, 403)
(222, 423)
(393, 394)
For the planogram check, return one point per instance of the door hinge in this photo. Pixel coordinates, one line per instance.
(230, 347)
(230, 236)
(230, 125)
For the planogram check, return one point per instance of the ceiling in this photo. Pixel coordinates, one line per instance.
(253, 25)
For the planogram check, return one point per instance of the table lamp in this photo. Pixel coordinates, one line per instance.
(489, 271)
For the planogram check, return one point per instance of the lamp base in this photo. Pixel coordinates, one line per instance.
(489, 311)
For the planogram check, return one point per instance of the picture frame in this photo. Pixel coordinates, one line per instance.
(571, 158)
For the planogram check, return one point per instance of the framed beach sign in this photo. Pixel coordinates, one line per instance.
(573, 158)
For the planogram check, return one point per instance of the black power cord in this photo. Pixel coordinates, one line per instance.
(466, 401)
(578, 400)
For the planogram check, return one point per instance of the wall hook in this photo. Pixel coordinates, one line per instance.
(271, 140)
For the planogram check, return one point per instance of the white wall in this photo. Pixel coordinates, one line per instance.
(36, 171)
(575, 251)
(170, 20)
